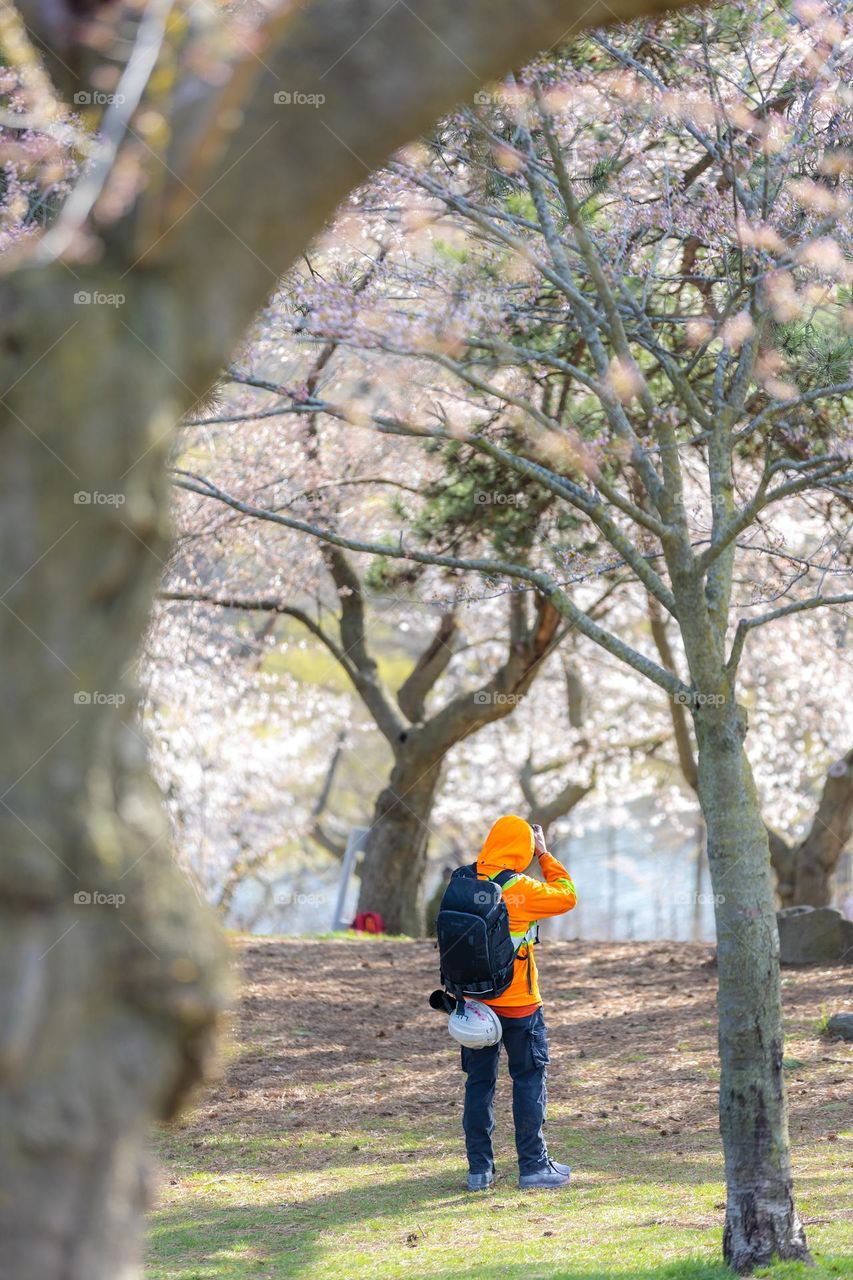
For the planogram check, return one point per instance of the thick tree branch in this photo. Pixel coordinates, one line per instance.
(528, 647)
(677, 710)
(224, 189)
(546, 812)
(816, 857)
(432, 662)
(353, 630)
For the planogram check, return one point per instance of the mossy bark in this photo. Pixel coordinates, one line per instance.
(111, 973)
(761, 1220)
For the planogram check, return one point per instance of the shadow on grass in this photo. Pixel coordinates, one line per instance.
(283, 1239)
(282, 1242)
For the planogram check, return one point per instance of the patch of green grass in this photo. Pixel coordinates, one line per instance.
(837, 1266)
(386, 1199)
(352, 935)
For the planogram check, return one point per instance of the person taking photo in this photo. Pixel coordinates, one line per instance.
(510, 846)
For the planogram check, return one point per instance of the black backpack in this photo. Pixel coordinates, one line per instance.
(475, 948)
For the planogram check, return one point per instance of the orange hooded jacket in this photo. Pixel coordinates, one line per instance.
(510, 845)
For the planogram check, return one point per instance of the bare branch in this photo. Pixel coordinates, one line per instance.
(677, 710)
(798, 606)
(482, 565)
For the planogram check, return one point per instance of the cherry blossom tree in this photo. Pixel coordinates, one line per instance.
(251, 443)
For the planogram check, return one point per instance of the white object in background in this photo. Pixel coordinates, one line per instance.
(355, 842)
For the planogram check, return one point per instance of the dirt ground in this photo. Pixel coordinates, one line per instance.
(337, 1034)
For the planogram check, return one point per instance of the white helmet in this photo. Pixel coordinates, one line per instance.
(476, 1028)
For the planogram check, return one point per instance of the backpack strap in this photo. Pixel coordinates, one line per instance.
(503, 878)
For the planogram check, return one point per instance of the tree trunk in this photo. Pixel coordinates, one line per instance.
(106, 1014)
(395, 854)
(804, 870)
(816, 857)
(761, 1221)
(814, 872)
(110, 970)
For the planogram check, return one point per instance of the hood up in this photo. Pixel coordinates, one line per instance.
(509, 845)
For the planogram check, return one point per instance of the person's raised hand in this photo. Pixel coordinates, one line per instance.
(539, 844)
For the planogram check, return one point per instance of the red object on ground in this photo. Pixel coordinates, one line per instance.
(369, 922)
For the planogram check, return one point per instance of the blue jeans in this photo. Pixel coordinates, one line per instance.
(526, 1044)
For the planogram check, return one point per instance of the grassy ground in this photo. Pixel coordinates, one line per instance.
(332, 1148)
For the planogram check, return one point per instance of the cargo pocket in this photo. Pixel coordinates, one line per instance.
(539, 1046)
